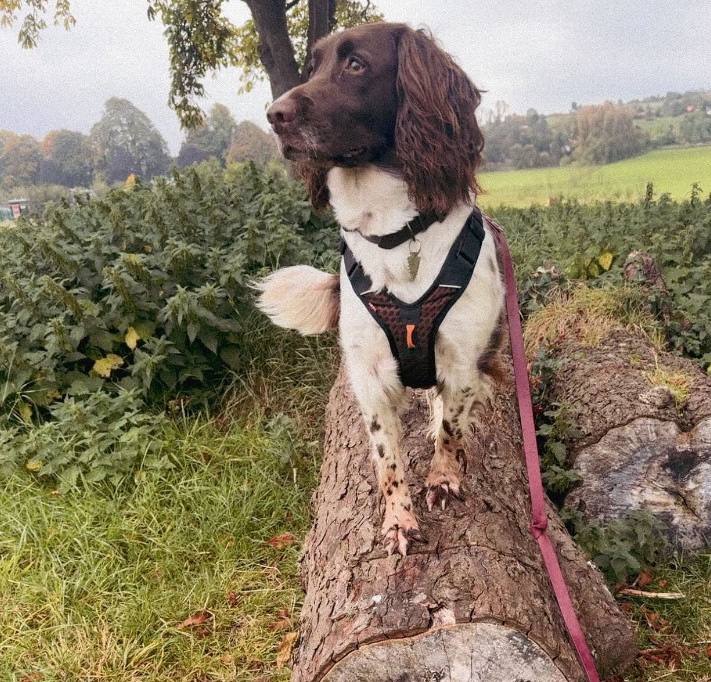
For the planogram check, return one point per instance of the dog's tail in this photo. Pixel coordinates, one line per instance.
(300, 297)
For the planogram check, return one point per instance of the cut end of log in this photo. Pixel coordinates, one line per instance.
(470, 652)
(650, 464)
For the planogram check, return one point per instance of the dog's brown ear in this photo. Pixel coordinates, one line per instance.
(315, 181)
(437, 137)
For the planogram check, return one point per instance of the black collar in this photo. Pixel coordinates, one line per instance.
(418, 224)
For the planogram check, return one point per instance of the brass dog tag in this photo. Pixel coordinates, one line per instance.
(413, 260)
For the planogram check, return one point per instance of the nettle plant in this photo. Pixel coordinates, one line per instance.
(591, 241)
(144, 291)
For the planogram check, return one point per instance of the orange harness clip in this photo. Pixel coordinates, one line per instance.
(410, 328)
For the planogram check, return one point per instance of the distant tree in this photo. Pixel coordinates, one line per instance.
(211, 139)
(251, 143)
(695, 128)
(20, 159)
(522, 141)
(66, 159)
(201, 39)
(125, 142)
(606, 133)
(190, 154)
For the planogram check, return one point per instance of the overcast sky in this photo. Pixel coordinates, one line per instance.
(542, 54)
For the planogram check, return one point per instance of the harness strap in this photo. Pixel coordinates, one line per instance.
(411, 328)
(539, 521)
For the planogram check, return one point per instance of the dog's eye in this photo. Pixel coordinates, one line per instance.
(354, 64)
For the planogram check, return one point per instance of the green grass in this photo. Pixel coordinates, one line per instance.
(95, 586)
(655, 126)
(672, 171)
(674, 637)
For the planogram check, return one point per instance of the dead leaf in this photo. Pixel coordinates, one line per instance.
(284, 649)
(668, 656)
(131, 338)
(280, 541)
(654, 620)
(104, 366)
(283, 622)
(643, 579)
(198, 618)
(232, 599)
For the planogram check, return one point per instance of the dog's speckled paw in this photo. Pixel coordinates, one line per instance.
(398, 536)
(440, 489)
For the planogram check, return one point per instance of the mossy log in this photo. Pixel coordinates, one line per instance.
(472, 604)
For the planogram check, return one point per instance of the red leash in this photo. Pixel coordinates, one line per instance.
(539, 522)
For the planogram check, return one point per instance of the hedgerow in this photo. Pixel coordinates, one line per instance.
(144, 291)
(591, 241)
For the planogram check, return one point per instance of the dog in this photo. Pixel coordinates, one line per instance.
(384, 130)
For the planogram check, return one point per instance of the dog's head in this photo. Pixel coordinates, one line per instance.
(384, 94)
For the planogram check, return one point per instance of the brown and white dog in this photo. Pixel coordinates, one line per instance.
(384, 129)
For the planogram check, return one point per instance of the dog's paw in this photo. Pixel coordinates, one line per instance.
(440, 487)
(399, 531)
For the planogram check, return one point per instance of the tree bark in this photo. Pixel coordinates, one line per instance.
(275, 49)
(321, 18)
(472, 604)
(640, 446)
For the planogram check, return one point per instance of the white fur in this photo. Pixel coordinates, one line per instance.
(374, 202)
(301, 298)
(370, 201)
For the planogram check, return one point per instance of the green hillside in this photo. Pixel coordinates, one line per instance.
(672, 171)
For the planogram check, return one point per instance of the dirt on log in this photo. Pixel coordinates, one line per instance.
(645, 443)
(472, 604)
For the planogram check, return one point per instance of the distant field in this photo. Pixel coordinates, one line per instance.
(672, 171)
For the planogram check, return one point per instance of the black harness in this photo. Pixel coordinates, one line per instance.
(411, 328)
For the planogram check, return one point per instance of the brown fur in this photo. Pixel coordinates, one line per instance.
(416, 115)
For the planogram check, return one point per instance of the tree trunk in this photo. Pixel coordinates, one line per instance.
(275, 49)
(645, 418)
(474, 603)
(321, 17)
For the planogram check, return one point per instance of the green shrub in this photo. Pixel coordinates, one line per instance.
(591, 242)
(91, 438)
(620, 548)
(135, 299)
(147, 288)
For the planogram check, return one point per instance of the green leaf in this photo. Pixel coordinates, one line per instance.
(231, 356)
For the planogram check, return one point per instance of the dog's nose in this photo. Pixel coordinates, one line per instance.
(281, 113)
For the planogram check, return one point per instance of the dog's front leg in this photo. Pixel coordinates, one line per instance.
(452, 421)
(399, 521)
(379, 401)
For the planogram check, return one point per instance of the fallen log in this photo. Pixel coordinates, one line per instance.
(472, 604)
(643, 415)
(645, 433)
